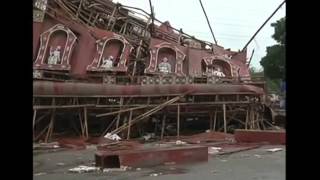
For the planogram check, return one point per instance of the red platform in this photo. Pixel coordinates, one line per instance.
(254, 136)
(151, 157)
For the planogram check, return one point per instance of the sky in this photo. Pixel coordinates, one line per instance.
(233, 21)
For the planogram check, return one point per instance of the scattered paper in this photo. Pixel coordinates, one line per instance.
(39, 174)
(257, 155)
(155, 174)
(214, 150)
(83, 169)
(122, 168)
(178, 142)
(274, 149)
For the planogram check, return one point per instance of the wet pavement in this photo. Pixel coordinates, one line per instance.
(254, 164)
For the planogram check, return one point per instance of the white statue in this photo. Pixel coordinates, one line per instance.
(54, 57)
(217, 72)
(164, 66)
(107, 63)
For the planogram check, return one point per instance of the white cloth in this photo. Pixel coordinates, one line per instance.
(107, 63)
(218, 73)
(112, 136)
(164, 67)
(54, 57)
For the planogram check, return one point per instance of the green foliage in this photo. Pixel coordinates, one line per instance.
(273, 85)
(274, 62)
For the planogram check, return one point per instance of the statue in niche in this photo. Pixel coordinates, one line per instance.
(164, 66)
(218, 72)
(107, 63)
(54, 57)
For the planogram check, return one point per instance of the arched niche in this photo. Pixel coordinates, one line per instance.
(117, 47)
(166, 52)
(174, 55)
(208, 63)
(58, 41)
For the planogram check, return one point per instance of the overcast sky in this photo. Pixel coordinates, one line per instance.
(233, 21)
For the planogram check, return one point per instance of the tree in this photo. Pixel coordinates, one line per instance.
(274, 62)
(273, 85)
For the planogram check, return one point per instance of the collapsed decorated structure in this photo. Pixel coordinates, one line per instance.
(102, 67)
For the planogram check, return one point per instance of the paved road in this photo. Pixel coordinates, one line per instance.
(256, 164)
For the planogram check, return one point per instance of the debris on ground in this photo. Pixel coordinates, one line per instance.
(214, 171)
(39, 174)
(257, 155)
(73, 143)
(214, 150)
(119, 145)
(148, 136)
(60, 164)
(114, 137)
(274, 149)
(156, 174)
(122, 168)
(84, 169)
(43, 146)
(169, 163)
(178, 142)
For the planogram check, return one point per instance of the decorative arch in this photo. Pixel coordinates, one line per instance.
(118, 47)
(214, 61)
(156, 54)
(58, 35)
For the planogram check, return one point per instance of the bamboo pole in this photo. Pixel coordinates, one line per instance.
(110, 125)
(210, 120)
(247, 118)
(130, 118)
(118, 118)
(148, 113)
(224, 118)
(121, 111)
(215, 120)
(50, 129)
(163, 125)
(178, 122)
(34, 122)
(81, 124)
(86, 122)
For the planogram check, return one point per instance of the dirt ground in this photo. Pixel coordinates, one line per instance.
(255, 164)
